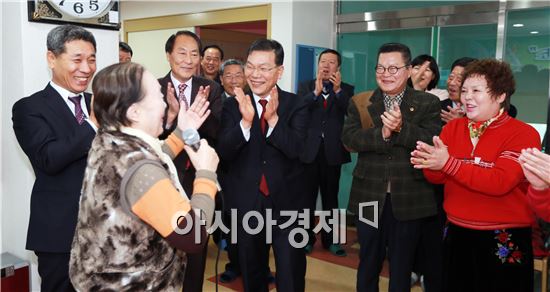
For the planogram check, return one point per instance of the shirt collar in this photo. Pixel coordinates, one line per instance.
(177, 83)
(62, 91)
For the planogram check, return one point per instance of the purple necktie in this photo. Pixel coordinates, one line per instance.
(78, 113)
(263, 125)
(181, 95)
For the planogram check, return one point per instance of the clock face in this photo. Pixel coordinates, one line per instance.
(81, 8)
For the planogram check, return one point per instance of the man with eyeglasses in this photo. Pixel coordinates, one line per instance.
(384, 176)
(261, 137)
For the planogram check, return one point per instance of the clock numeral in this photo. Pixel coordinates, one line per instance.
(93, 5)
(77, 7)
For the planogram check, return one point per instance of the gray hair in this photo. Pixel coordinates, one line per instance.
(231, 62)
(59, 36)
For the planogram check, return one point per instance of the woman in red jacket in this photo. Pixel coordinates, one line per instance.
(487, 246)
(536, 167)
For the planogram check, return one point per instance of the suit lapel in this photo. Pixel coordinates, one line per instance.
(88, 101)
(58, 106)
(195, 84)
(410, 104)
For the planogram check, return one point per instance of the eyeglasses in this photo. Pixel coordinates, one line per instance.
(391, 69)
(263, 70)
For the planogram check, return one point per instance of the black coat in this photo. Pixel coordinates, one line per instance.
(327, 122)
(57, 147)
(276, 156)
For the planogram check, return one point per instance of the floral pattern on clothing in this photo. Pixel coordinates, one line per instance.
(507, 251)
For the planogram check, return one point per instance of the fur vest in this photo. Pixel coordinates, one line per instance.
(112, 248)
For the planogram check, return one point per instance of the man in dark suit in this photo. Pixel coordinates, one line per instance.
(327, 98)
(451, 108)
(211, 58)
(384, 176)
(261, 138)
(180, 88)
(53, 129)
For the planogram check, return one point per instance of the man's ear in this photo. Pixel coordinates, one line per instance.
(50, 56)
(280, 72)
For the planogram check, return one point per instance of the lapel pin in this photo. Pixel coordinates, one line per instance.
(411, 109)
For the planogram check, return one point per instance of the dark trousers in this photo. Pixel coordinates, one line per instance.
(53, 269)
(194, 271)
(324, 178)
(290, 262)
(429, 256)
(488, 260)
(400, 238)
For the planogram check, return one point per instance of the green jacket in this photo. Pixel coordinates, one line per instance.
(380, 161)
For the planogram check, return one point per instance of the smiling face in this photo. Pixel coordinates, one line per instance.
(453, 83)
(211, 61)
(479, 103)
(425, 78)
(124, 57)
(392, 84)
(328, 65)
(233, 76)
(261, 72)
(185, 58)
(148, 113)
(74, 68)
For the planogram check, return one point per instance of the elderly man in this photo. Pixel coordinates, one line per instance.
(180, 88)
(232, 76)
(53, 129)
(384, 176)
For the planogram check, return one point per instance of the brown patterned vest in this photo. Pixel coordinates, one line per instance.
(112, 248)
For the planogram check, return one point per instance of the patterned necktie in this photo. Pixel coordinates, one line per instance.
(263, 124)
(181, 95)
(78, 113)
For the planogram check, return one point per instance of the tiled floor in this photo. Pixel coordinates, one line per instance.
(325, 272)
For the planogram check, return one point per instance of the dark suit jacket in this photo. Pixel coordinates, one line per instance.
(208, 130)
(379, 161)
(328, 122)
(276, 156)
(57, 147)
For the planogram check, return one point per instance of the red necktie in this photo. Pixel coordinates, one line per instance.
(263, 124)
(324, 103)
(78, 113)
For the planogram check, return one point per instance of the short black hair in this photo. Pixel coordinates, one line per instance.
(213, 47)
(396, 47)
(169, 46)
(268, 45)
(61, 35)
(125, 48)
(331, 51)
(419, 60)
(462, 62)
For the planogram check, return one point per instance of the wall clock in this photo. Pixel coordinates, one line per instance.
(91, 13)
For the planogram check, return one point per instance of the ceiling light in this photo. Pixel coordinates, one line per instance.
(517, 25)
(534, 32)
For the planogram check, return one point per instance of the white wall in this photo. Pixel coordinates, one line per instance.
(25, 71)
(297, 22)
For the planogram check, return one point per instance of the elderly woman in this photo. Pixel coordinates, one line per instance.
(487, 246)
(135, 221)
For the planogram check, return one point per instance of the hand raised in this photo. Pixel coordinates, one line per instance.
(195, 115)
(451, 114)
(318, 84)
(336, 80)
(173, 104)
(430, 157)
(245, 107)
(270, 114)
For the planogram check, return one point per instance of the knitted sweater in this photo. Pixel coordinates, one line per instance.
(484, 185)
(540, 202)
